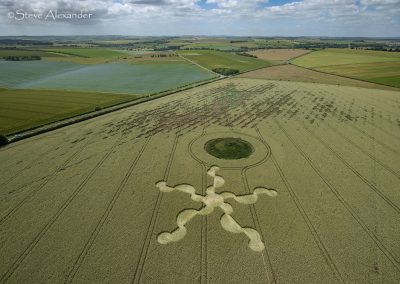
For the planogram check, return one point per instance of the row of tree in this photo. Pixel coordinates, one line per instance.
(22, 58)
(246, 54)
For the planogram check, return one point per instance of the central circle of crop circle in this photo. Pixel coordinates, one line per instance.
(213, 200)
(229, 148)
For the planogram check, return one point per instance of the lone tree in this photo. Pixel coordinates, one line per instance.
(226, 71)
(3, 140)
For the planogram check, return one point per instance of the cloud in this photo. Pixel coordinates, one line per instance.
(236, 4)
(243, 14)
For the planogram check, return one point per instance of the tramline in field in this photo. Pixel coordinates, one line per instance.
(312, 144)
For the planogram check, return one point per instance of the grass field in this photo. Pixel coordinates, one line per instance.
(93, 202)
(25, 109)
(20, 52)
(298, 74)
(14, 74)
(246, 44)
(373, 66)
(330, 57)
(387, 73)
(88, 52)
(112, 78)
(216, 59)
(150, 57)
(213, 45)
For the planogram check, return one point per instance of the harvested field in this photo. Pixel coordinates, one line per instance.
(278, 54)
(298, 74)
(316, 202)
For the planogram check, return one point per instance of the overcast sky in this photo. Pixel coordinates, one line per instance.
(375, 18)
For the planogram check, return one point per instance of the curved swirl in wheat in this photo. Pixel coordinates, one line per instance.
(211, 201)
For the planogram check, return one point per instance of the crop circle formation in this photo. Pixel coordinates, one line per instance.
(229, 148)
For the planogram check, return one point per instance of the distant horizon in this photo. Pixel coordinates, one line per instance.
(205, 36)
(267, 18)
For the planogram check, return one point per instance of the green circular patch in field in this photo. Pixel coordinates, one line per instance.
(229, 148)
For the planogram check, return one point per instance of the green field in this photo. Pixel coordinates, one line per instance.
(216, 59)
(88, 52)
(20, 52)
(112, 78)
(387, 73)
(212, 45)
(329, 57)
(373, 66)
(25, 109)
(44, 91)
(15, 74)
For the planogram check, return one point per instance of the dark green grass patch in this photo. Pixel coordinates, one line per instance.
(387, 73)
(229, 148)
(226, 71)
(216, 46)
(390, 81)
(3, 140)
(89, 52)
(22, 53)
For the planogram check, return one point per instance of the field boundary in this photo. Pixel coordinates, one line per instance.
(342, 65)
(240, 73)
(201, 66)
(284, 62)
(298, 56)
(92, 114)
(347, 77)
(265, 67)
(56, 52)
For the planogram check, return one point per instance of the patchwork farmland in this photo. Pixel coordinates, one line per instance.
(87, 52)
(73, 81)
(373, 66)
(315, 201)
(294, 73)
(212, 59)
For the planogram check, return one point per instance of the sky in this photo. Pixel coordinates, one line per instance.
(335, 18)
